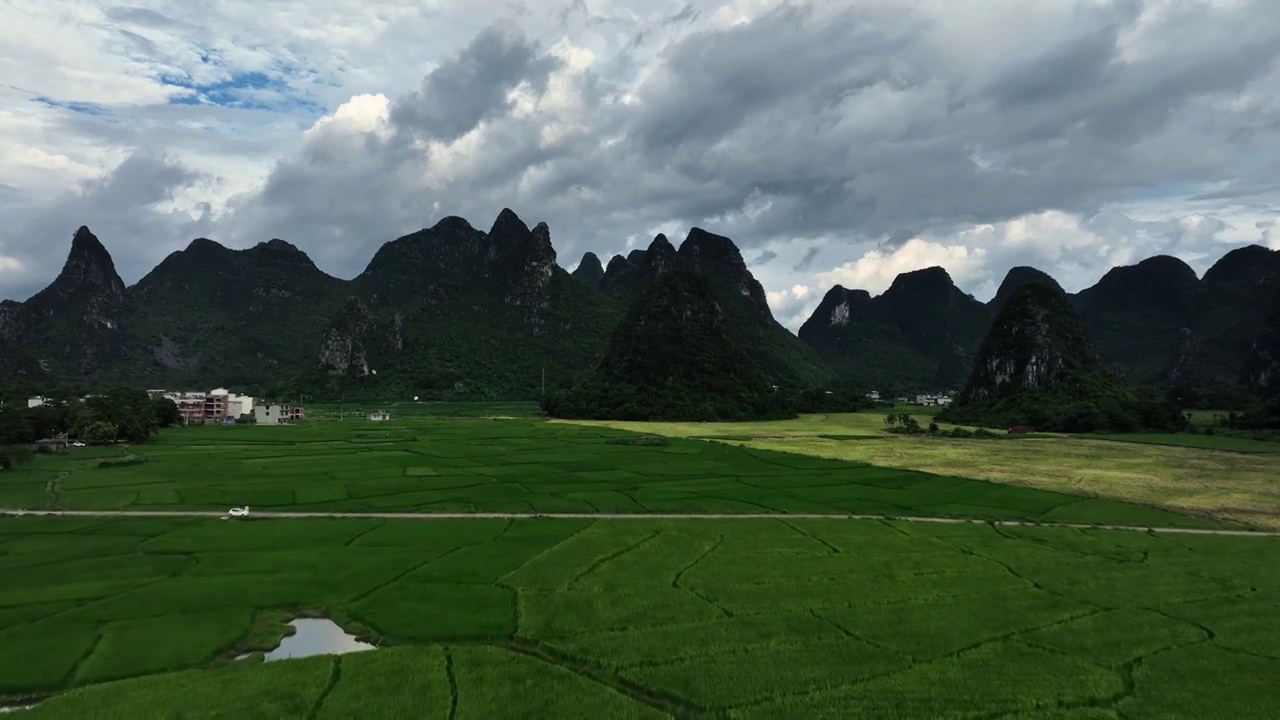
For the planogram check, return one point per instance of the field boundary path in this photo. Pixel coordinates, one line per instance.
(285, 515)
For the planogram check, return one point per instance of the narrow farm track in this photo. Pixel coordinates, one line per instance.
(285, 515)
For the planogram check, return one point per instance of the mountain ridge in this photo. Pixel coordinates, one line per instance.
(213, 315)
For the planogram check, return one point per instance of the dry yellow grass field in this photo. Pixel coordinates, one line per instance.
(1225, 485)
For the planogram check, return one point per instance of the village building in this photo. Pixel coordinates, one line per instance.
(277, 413)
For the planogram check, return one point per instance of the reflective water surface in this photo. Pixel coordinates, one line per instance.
(315, 636)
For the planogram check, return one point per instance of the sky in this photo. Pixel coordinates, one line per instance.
(836, 142)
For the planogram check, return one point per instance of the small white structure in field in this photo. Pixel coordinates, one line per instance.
(238, 511)
(380, 416)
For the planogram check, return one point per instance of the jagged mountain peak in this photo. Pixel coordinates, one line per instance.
(541, 237)
(280, 245)
(84, 242)
(450, 224)
(508, 224)
(589, 271)
(930, 280)
(88, 268)
(1242, 265)
(838, 306)
(706, 249)
(1165, 266)
(1019, 276)
(203, 244)
(660, 242)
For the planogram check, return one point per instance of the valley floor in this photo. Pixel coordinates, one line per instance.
(772, 612)
(1216, 480)
(554, 618)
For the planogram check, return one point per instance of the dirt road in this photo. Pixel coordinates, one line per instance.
(284, 515)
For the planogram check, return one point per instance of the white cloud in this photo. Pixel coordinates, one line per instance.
(11, 265)
(1270, 233)
(880, 137)
(876, 270)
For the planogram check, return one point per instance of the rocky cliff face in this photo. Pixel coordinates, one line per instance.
(76, 322)
(1036, 343)
(342, 350)
(520, 264)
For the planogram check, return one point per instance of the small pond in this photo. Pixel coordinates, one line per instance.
(314, 636)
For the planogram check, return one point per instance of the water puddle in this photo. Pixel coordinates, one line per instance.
(314, 636)
(14, 708)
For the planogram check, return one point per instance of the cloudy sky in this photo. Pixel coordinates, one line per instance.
(836, 142)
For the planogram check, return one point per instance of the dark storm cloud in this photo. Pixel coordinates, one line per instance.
(837, 122)
(867, 123)
(458, 95)
(806, 262)
(120, 208)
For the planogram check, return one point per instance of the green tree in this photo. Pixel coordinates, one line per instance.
(100, 432)
(165, 412)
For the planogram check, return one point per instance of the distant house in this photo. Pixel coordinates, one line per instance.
(872, 395)
(36, 402)
(932, 399)
(380, 416)
(277, 414)
(1019, 430)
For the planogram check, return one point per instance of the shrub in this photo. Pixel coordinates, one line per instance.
(642, 440)
(121, 461)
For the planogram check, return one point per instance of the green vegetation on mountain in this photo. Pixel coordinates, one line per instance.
(1155, 324)
(671, 358)
(456, 313)
(919, 335)
(209, 315)
(1134, 313)
(1037, 367)
(746, 318)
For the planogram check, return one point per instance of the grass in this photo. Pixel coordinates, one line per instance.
(1230, 486)
(434, 464)
(642, 619)
(1225, 443)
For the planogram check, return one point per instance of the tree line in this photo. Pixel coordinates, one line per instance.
(111, 416)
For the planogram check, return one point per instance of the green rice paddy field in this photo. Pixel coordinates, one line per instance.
(639, 618)
(515, 466)
(553, 618)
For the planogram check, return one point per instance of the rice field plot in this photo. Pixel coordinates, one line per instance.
(522, 466)
(1224, 443)
(1229, 479)
(641, 619)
